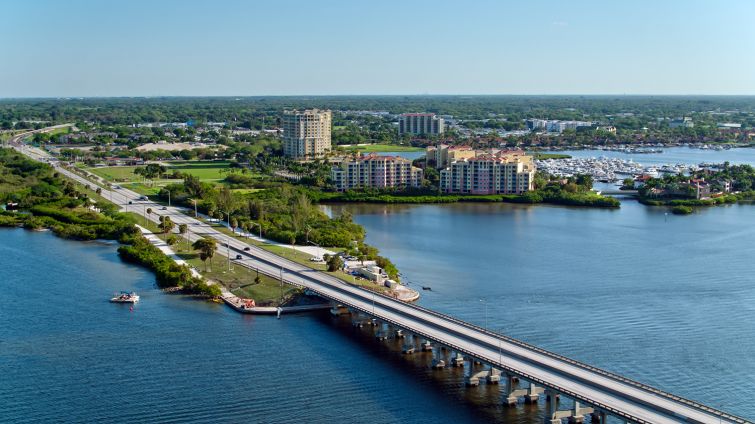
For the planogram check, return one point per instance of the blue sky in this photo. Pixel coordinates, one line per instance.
(285, 47)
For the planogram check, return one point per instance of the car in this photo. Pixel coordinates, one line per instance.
(130, 202)
(246, 249)
(164, 208)
(238, 256)
(142, 198)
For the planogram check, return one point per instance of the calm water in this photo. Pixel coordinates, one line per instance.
(674, 155)
(664, 299)
(670, 155)
(67, 355)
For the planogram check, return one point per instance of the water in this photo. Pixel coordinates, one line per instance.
(667, 300)
(670, 155)
(67, 355)
(663, 299)
(674, 155)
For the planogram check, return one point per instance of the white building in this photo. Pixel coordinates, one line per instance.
(373, 171)
(510, 172)
(306, 134)
(420, 124)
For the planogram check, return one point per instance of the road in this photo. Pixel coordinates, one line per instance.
(616, 395)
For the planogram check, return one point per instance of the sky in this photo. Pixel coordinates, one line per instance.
(87, 48)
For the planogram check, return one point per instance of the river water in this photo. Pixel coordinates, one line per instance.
(664, 299)
(670, 155)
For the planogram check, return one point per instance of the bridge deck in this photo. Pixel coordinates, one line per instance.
(612, 393)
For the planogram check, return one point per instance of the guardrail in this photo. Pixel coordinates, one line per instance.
(510, 340)
(519, 343)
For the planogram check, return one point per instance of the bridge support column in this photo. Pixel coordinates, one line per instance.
(337, 310)
(533, 393)
(578, 413)
(409, 347)
(427, 346)
(598, 417)
(552, 397)
(494, 376)
(438, 361)
(457, 359)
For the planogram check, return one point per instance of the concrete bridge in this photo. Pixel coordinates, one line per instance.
(490, 357)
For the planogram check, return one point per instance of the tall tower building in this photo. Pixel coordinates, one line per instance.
(306, 134)
(420, 123)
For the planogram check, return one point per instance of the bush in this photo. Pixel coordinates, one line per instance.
(681, 210)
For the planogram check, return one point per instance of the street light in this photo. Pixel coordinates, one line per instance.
(259, 225)
(195, 207)
(485, 302)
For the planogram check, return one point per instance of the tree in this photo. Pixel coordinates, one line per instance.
(171, 240)
(166, 225)
(206, 247)
(234, 224)
(183, 229)
(334, 262)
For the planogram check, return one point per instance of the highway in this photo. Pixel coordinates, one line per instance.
(613, 394)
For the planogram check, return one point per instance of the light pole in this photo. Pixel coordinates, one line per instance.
(259, 225)
(319, 254)
(280, 301)
(195, 207)
(228, 252)
(485, 302)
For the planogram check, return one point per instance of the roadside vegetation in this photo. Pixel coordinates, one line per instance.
(39, 198)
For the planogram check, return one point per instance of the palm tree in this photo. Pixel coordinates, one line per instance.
(183, 229)
(206, 247)
(166, 225)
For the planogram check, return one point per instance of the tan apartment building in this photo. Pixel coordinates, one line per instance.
(442, 155)
(373, 171)
(306, 134)
(505, 172)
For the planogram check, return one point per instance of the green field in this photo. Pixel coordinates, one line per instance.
(383, 148)
(206, 171)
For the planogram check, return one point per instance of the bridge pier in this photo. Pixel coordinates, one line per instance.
(471, 377)
(427, 346)
(438, 361)
(409, 347)
(576, 415)
(338, 310)
(598, 417)
(457, 360)
(493, 376)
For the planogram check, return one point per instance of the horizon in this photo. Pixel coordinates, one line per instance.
(294, 48)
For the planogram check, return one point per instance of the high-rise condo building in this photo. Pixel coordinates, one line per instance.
(506, 172)
(306, 134)
(377, 172)
(420, 124)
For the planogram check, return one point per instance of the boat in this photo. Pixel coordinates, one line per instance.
(125, 297)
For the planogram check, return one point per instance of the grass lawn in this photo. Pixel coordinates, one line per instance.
(239, 280)
(303, 258)
(383, 148)
(115, 173)
(206, 171)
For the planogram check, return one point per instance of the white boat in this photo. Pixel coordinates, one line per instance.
(125, 297)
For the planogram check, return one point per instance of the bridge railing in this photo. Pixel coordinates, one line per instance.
(528, 346)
